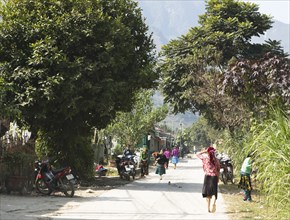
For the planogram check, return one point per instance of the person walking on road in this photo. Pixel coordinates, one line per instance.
(161, 160)
(245, 181)
(175, 156)
(211, 167)
(167, 155)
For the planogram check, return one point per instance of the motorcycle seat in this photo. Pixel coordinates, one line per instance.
(58, 170)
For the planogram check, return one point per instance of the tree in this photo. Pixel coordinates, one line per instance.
(192, 66)
(7, 110)
(130, 127)
(202, 134)
(73, 64)
(260, 84)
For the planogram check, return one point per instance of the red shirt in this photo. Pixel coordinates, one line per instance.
(209, 168)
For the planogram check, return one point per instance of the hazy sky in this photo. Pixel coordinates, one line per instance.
(280, 10)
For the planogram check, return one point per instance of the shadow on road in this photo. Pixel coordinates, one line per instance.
(165, 185)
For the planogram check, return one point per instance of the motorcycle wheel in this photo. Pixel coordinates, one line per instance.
(224, 178)
(232, 179)
(134, 174)
(42, 187)
(67, 188)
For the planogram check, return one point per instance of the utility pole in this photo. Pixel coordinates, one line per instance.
(181, 135)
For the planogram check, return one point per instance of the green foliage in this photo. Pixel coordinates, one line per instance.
(118, 149)
(71, 65)
(63, 151)
(7, 110)
(269, 140)
(234, 144)
(130, 127)
(192, 66)
(271, 143)
(202, 134)
(19, 160)
(74, 60)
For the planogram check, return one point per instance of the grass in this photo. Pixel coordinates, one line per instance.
(237, 209)
(270, 141)
(112, 171)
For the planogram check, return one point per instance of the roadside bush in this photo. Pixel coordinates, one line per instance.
(233, 145)
(18, 161)
(271, 143)
(77, 153)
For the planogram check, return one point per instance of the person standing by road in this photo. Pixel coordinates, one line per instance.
(144, 161)
(245, 181)
(161, 160)
(175, 156)
(211, 167)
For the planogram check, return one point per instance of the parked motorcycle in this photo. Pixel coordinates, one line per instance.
(48, 180)
(126, 166)
(226, 171)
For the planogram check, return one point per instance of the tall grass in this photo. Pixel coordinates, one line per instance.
(271, 143)
(233, 145)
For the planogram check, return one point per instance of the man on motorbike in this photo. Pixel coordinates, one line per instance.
(127, 152)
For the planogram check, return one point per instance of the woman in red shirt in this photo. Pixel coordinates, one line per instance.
(211, 167)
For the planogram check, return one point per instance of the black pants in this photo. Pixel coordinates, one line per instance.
(144, 168)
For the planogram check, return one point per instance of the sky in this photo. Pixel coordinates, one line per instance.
(280, 10)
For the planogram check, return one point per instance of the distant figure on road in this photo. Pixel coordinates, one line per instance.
(175, 155)
(161, 160)
(211, 167)
(245, 181)
(167, 155)
(144, 161)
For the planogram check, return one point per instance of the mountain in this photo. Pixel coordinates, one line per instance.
(169, 20)
(175, 121)
(280, 32)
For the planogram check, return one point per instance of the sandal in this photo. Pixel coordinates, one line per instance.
(213, 208)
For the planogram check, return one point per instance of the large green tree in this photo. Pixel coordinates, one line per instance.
(73, 64)
(201, 134)
(193, 65)
(130, 127)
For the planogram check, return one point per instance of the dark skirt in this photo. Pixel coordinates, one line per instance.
(245, 182)
(160, 169)
(210, 186)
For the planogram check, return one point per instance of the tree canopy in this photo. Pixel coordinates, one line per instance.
(70, 66)
(193, 66)
(74, 63)
(130, 127)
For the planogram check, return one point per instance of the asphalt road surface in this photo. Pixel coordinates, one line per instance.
(176, 196)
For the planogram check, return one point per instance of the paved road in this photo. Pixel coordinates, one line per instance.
(176, 196)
